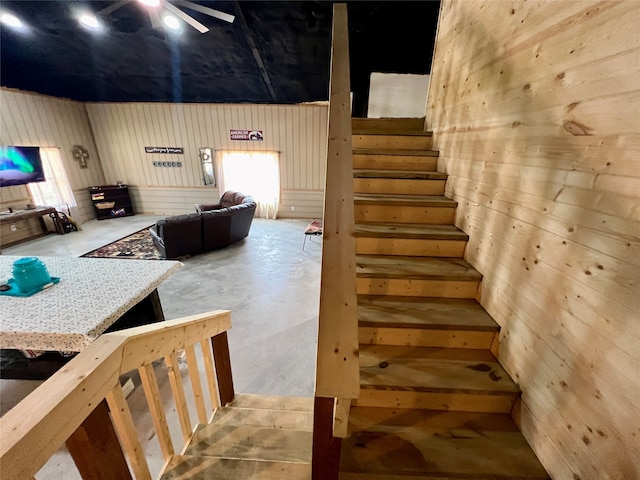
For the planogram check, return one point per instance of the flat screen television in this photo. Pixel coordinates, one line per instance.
(20, 165)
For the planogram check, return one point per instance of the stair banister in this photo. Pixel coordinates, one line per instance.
(71, 406)
(337, 369)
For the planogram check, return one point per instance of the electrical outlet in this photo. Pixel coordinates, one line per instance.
(14, 228)
(292, 208)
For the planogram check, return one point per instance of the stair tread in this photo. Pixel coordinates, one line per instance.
(404, 200)
(395, 151)
(407, 230)
(264, 418)
(398, 174)
(432, 268)
(391, 132)
(427, 369)
(189, 467)
(424, 313)
(419, 443)
(272, 402)
(251, 443)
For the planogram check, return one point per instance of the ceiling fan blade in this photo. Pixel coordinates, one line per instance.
(155, 18)
(209, 11)
(112, 8)
(191, 21)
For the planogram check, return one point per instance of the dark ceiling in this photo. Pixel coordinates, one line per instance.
(274, 52)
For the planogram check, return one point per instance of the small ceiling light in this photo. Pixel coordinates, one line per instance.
(172, 22)
(89, 21)
(150, 3)
(11, 20)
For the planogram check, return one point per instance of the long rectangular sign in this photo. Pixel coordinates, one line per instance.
(175, 150)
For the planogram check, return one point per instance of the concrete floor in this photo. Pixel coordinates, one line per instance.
(268, 282)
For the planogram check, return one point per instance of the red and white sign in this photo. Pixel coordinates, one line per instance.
(255, 135)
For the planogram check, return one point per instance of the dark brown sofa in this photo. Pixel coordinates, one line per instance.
(213, 226)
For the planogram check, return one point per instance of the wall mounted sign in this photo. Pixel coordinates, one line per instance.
(246, 135)
(178, 150)
(167, 164)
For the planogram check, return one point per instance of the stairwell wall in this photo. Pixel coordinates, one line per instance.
(534, 109)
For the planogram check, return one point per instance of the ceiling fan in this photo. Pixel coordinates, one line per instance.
(154, 7)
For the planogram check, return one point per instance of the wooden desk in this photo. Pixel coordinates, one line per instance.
(23, 225)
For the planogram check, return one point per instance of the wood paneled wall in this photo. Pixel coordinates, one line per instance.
(122, 130)
(36, 120)
(535, 109)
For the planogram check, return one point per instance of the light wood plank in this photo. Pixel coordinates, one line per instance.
(428, 313)
(408, 140)
(186, 467)
(410, 247)
(398, 186)
(425, 338)
(212, 382)
(251, 443)
(386, 124)
(432, 369)
(177, 388)
(264, 418)
(418, 443)
(154, 401)
(337, 357)
(341, 417)
(196, 384)
(127, 433)
(270, 402)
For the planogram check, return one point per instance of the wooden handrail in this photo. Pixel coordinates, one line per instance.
(337, 369)
(32, 431)
(337, 363)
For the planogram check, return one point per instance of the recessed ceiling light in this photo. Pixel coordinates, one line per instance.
(150, 3)
(172, 22)
(89, 21)
(11, 20)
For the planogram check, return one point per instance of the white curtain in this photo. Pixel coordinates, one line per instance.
(253, 173)
(55, 191)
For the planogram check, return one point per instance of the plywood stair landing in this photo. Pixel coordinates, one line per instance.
(434, 400)
(254, 437)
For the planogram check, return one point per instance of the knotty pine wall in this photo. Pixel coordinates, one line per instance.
(37, 120)
(122, 130)
(535, 109)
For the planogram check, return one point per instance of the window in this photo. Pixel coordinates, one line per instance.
(253, 173)
(55, 191)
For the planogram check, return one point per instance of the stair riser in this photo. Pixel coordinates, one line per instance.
(461, 402)
(387, 124)
(405, 142)
(404, 214)
(395, 162)
(396, 186)
(410, 247)
(417, 288)
(425, 338)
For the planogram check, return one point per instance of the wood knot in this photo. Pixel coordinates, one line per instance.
(383, 364)
(576, 128)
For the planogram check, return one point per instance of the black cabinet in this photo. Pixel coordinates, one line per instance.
(111, 201)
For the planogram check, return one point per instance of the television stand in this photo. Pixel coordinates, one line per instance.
(23, 225)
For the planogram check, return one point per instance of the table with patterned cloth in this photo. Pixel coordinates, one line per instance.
(92, 295)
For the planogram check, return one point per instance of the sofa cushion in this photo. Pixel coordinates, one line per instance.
(180, 234)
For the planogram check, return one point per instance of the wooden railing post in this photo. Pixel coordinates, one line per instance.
(325, 462)
(222, 362)
(95, 449)
(337, 363)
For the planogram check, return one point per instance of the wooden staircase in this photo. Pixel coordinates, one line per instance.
(434, 401)
(254, 437)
